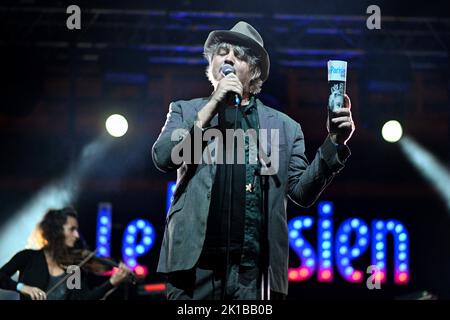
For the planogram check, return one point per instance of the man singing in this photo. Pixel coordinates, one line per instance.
(214, 241)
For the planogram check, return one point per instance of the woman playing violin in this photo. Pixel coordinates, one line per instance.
(41, 270)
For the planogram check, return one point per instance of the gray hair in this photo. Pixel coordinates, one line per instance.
(243, 53)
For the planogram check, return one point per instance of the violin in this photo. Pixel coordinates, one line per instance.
(88, 261)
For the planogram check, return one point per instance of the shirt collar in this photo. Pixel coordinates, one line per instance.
(251, 105)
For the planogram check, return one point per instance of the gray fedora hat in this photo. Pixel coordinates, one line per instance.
(245, 35)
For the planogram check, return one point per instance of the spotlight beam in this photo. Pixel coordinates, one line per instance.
(13, 234)
(437, 174)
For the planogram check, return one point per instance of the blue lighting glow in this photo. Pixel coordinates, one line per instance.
(363, 229)
(104, 220)
(297, 224)
(326, 245)
(347, 228)
(171, 186)
(308, 222)
(133, 249)
(401, 252)
(140, 224)
(302, 248)
(346, 251)
(380, 255)
(354, 223)
(355, 252)
(103, 234)
(379, 225)
(140, 249)
(326, 208)
(343, 238)
(348, 271)
(326, 235)
(345, 261)
(352, 238)
(307, 252)
(326, 224)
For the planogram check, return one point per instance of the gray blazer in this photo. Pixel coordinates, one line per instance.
(187, 217)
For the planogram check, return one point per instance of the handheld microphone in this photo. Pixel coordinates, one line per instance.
(227, 69)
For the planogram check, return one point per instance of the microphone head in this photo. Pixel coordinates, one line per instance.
(227, 69)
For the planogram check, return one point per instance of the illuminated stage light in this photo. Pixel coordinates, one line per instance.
(158, 287)
(104, 229)
(325, 275)
(392, 131)
(299, 243)
(116, 125)
(402, 277)
(308, 222)
(140, 271)
(297, 224)
(132, 250)
(357, 276)
(401, 248)
(304, 273)
(302, 249)
(379, 276)
(293, 275)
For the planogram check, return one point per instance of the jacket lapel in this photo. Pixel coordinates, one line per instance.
(266, 119)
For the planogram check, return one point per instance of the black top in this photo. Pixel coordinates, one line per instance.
(215, 244)
(33, 271)
(60, 292)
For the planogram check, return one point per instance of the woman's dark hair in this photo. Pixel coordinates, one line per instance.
(52, 231)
